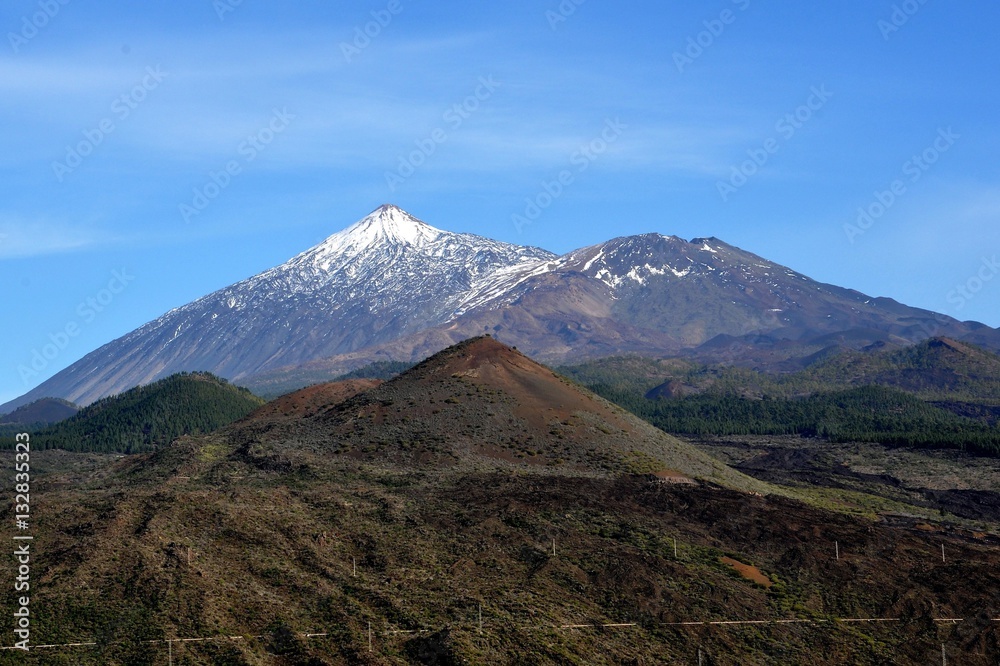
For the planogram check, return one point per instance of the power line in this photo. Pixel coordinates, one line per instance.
(392, 632)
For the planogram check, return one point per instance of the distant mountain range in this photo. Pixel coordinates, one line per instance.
(935, 370)
(392, 288)
(41, 412)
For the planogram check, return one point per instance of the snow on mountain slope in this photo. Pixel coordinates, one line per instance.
(618, 263)
(386, 276)
(695, 290)
(658, 295)
(391, 287)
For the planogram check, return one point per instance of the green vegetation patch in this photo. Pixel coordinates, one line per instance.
(147, 417)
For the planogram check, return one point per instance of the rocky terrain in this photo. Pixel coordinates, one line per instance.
(461, 513)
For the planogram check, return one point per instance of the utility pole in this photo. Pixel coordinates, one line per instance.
(836, 545)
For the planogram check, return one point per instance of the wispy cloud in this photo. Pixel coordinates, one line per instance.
(364, 113)
(32, 238)
(55, 77)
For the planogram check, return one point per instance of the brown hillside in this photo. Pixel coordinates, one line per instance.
(482, 405)
(359, 556)
(312, 399)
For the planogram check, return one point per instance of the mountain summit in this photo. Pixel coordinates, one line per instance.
(391, 287)
(384, 277)
(387, 224)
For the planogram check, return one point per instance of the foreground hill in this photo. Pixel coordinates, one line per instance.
(382, 567)
(481, 404)
(476, 509)
(393, 288)
(149, 416)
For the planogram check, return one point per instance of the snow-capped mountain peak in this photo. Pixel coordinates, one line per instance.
(391, 286)
(385, 276)
(388, 228)
(387, 224)
(390, 242)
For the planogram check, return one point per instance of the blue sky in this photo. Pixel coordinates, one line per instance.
(768, 125)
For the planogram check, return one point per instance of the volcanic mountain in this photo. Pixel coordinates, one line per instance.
(477, 405)
(386, 276)
(391, 287)
(656, 296)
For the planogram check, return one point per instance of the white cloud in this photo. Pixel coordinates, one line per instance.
(21, 238)
(55, 78)
(348, 114)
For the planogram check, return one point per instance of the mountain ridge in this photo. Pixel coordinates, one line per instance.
(392, 288)
(42, 411)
